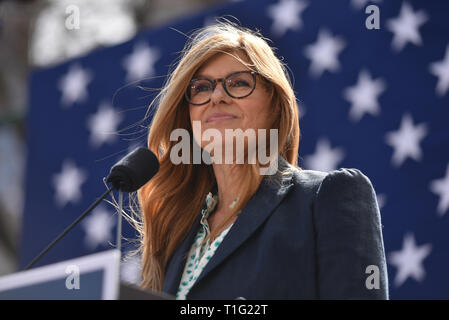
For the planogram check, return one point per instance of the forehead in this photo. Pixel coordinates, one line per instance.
(221, 65)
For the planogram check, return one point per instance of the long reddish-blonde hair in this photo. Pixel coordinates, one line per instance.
(173, 198)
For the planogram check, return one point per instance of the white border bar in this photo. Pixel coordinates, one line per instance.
(108, 261)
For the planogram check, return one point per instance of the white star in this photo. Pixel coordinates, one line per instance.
(74, 85)
(441, 188)
(409, 260)
(209, 21)
(441, 70)
(405, 27)
(130, 270)
(98, 228)
(363, 96)
(301, 110)
(323, 54)
(68, 183)
(359, 4)
(325, 158)
(103, 125)
(140, 63)
(381, 200)
(406, 140)
(286, 14)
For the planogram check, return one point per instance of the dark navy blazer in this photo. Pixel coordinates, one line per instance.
(318, 236)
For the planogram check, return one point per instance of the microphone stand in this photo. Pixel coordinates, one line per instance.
(81, 217)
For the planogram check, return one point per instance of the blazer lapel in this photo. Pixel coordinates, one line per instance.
(176, 264)
(258, 209)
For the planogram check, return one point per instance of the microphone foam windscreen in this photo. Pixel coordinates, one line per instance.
(134, 170)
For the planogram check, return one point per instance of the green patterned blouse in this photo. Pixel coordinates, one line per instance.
(199, 255)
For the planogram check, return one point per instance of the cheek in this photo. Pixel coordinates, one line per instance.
(195, 113)
(257, 114)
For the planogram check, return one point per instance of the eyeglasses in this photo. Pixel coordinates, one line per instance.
(237, 85)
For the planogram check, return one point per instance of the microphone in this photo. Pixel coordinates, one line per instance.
(134, 170)
(127, 175)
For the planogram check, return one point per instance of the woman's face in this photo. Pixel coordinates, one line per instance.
(224, 112)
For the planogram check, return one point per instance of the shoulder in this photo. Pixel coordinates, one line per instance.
(346, 185)
(339, 184)
(326, 190)
(345, 200)
(333, 181)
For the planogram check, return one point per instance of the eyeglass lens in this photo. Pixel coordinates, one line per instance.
(237, 85)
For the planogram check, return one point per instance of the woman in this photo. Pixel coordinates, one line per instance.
(224, 230)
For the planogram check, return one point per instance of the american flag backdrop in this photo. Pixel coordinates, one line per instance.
(374, 99)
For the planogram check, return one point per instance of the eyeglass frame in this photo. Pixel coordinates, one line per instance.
(222, 80)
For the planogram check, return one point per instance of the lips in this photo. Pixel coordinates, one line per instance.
(220, 117)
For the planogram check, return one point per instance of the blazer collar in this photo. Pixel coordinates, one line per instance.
(260, 206)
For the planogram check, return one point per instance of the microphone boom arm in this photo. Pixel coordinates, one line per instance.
(67, 230)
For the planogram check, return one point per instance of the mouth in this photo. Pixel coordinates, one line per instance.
(220, 117)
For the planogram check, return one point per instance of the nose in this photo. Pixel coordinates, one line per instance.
(219, 94)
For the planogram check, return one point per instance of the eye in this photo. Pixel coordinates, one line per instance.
(237, 83)
(240, 80)
(200, 86)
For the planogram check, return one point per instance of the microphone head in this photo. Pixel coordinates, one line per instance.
(134, 170)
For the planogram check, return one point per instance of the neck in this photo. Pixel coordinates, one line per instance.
(228, 177)
(227, 180)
